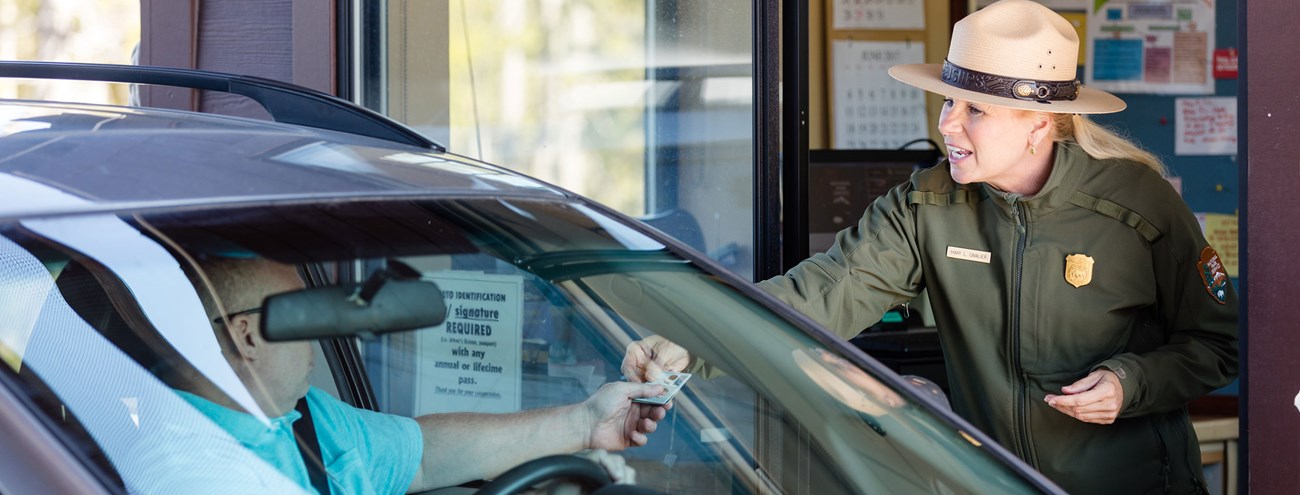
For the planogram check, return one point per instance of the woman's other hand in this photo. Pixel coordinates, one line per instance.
(1097, 398)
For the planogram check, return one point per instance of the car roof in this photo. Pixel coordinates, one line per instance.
(59, 158)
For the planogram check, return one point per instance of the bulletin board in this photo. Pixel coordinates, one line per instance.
(1189, 132)
(1191, 125)
(868, 108)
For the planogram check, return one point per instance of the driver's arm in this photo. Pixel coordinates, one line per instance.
(462, 447)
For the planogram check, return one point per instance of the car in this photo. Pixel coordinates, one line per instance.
(434, 283)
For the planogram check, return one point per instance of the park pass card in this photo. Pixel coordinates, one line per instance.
(672, 382)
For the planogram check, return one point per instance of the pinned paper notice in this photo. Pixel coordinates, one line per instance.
(477, 352)
(1205, 126)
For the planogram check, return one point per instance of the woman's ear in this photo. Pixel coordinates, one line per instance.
(1041, 128)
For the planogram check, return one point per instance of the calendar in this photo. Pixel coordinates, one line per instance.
(871, 109)
(878, 14)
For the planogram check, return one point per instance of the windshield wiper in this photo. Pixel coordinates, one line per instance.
(571, 265)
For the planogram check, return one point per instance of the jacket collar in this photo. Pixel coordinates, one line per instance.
(1068, 166)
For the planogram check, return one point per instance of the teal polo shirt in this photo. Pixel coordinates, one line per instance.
(365, 452)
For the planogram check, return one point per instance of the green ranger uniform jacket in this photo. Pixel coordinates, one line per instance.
(1105, 267)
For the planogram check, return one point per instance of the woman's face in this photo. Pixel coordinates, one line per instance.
(990, 143)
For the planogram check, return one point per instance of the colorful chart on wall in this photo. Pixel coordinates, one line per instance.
(872, 110)
(1138, 46)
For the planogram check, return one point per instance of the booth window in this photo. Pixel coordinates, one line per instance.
(645, 106)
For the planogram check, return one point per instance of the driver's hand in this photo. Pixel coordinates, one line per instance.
(614, 465)
(618, 423)
(648, 358)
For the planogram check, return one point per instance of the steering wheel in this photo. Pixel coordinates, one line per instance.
(571, 467)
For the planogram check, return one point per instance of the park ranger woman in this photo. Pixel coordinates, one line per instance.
(1079, 306)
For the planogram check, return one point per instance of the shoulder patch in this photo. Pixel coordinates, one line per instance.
(1213, 275)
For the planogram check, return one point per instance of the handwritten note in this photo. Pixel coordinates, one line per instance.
(476, 351)
(1205, 126)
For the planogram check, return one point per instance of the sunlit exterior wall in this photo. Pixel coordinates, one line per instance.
(100, 31)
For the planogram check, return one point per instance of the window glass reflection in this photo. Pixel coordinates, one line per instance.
(646, 107)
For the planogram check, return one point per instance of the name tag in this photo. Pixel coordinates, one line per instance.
(969, 254)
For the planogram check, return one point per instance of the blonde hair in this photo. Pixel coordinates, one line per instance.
(1100, 142)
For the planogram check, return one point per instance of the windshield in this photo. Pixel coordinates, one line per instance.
(541, 300)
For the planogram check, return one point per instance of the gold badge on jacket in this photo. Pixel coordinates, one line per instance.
(1078, 269)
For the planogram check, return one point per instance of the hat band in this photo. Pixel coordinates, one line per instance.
(1009, 87)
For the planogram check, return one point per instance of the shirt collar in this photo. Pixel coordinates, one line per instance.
(245, 427)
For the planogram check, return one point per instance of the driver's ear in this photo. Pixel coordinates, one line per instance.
(244, 334)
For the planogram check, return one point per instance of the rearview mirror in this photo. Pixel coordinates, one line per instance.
(323, 312)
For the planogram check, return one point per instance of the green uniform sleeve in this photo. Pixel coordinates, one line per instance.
(870, 268)
(1198, 306)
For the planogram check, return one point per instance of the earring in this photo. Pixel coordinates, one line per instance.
(1033, 150)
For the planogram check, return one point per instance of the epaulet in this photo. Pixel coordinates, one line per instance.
(934, 186)
(1120, 213)
(956, 197)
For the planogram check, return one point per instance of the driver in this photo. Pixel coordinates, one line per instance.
(371, 452)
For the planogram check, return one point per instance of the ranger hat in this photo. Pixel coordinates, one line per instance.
(1013, 53)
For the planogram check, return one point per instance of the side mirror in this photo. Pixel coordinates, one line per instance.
(323, 312)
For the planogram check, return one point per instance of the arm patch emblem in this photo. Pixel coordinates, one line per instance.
(1213, 275)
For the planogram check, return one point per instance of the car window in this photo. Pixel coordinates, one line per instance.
(541, 299)
(69, 346)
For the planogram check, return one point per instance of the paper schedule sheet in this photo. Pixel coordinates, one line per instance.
(878, 14)
(871, 109)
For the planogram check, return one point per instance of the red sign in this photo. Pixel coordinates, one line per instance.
(1225, 63)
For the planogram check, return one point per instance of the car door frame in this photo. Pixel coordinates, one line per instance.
(33, 459)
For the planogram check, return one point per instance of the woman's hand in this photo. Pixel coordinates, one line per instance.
(1097, 398)
(648, 358)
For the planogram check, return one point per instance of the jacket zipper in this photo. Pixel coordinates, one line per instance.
(1022, 240)
(1164, 453)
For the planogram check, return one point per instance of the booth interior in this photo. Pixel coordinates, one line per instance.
(1173, 63)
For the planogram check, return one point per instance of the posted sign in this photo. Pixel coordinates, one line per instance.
(1205, 126)
(474, 362)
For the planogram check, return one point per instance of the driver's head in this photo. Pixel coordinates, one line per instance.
(276, 372)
